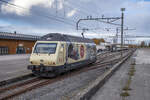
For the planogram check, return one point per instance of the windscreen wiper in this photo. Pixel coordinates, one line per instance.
(36, 51)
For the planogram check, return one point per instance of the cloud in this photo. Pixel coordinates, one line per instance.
(27, 4)
(60, 4)
(32, 19)
(71, 13)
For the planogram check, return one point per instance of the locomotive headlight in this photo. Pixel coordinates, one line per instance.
(51, 63)
(31, 62)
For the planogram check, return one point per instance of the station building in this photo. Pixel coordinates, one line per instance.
(14, 43)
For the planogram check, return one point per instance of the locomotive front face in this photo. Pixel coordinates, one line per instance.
(44, 53)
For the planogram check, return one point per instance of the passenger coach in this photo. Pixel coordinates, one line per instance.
(56, 53)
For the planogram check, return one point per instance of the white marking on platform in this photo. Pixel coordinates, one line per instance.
(16, 71)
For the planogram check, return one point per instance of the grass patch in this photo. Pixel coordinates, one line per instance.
(124, 94)
(133, 63)
(131, 73)
(132, 68)
(126, 88)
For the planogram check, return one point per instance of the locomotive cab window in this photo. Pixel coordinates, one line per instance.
(46, 48)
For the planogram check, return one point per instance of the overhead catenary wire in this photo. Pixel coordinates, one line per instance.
(51, 17)
(83, 10)
(48, 17)
(110, 21)
(99, 20)
(65, 5)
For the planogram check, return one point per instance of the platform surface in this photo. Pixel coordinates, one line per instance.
(13, 66)
(140, 83)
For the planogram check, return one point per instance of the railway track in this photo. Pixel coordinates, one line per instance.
(101, 57)
(20, 88)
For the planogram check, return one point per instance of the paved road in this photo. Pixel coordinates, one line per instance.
(13, 65)
(140, 83)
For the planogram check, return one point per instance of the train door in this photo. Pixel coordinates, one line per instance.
(66, 52)
(3, 50)
(62, 51)
(68, 49)
(88, 52)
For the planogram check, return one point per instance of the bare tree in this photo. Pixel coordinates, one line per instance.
(143, 44)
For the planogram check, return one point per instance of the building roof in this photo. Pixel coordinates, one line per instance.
(63, 37)
(16, 36)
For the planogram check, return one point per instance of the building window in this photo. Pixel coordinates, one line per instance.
(20, 50)
(3, 50)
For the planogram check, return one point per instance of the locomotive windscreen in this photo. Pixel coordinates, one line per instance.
(46, 48)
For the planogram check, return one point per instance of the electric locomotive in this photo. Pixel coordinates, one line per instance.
(56, 53)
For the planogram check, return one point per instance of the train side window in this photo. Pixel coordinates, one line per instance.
(62, 47)
(70, 49)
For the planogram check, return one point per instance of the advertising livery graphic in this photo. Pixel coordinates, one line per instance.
(82, 51)
(73, 52)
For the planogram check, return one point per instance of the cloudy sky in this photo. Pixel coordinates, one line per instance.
(38, 17)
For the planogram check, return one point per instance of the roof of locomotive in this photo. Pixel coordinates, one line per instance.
(63, 37)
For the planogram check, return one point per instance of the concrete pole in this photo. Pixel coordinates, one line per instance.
(122, 22)
(117, 34)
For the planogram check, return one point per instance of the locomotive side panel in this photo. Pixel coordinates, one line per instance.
(61, 59)
(80, 54)
(76, 52)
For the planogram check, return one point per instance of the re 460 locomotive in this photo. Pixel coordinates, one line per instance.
(56, 53)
